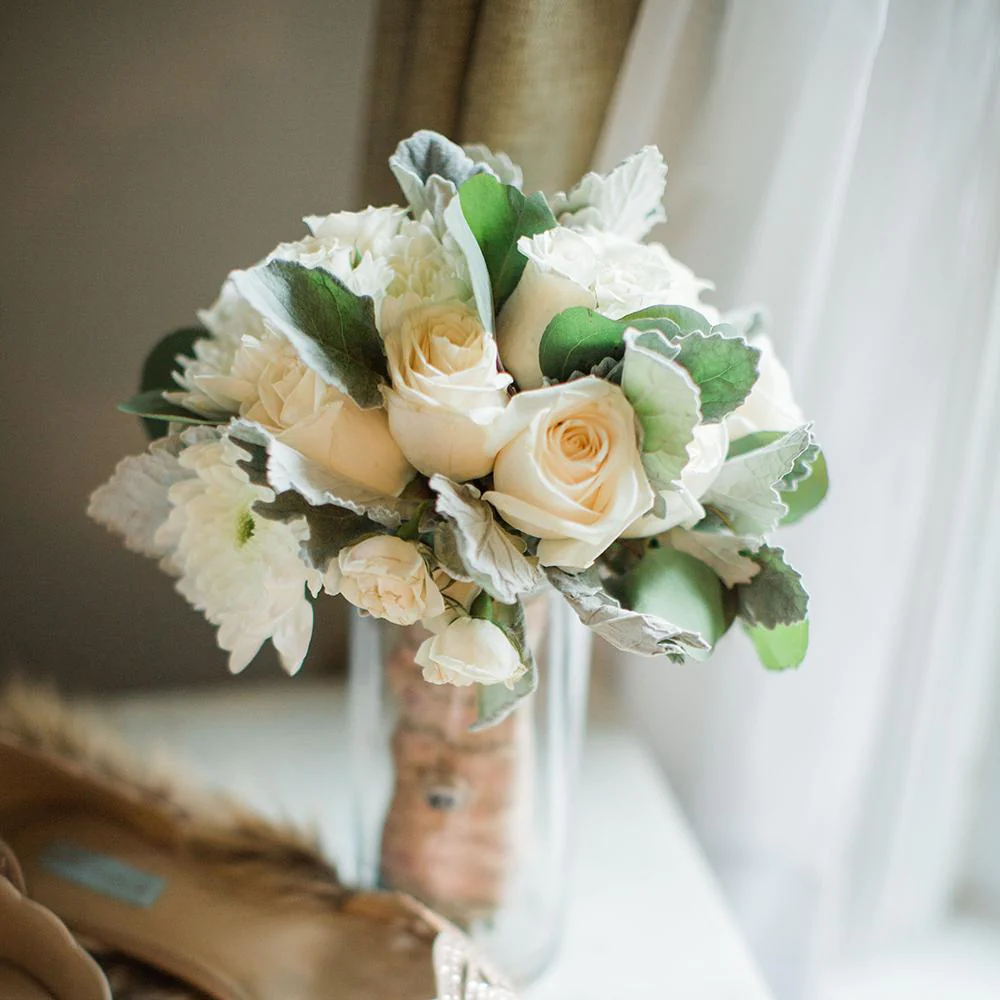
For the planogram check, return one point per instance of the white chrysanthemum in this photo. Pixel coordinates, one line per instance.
(432, 268)
(201, 378)
(243, 571)
(622, 275)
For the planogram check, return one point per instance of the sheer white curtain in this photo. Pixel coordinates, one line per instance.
(839, 160)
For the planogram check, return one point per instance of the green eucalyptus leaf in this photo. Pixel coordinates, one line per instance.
(723, 367)
(775, 596)
(782, 647)
(677, 587)
(499, 215)
(686, 319)
(579, 339)
(806, 484)
(332, 329)
(152, 406)
(665, 401)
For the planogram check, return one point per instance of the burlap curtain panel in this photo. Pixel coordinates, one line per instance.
(530, 77)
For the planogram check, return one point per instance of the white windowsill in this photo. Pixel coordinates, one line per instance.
(646, 917)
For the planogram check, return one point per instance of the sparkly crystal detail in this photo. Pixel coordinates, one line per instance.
(463, 973)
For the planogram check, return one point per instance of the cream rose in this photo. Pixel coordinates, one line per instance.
(448, 395)
(770, 405)
(387, 577)
(274, 388)
(470, 651)
(706, 453)
(587, 267)
(573, 476)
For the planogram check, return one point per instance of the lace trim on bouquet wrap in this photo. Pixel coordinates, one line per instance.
(462, 972)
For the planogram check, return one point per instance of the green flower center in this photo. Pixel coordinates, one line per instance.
(245, 528)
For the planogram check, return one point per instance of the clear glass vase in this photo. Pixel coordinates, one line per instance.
(474, 824)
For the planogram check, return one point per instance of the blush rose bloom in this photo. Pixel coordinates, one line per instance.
(770, 405)
(573, 476)
(448, 395)
(387, 577)
(470, 651)
(588, 267)
(706, 455)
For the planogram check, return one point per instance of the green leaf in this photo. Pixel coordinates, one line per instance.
(775, 596)
(804, 487)
(686, 320)
(665, 401)
(152, 406)
(499, 215)
(723, 368)
(160, 365)
(679, 588)
(330, 528)
(332, 329)
(632, 631)
(474, 547)
(783, 647)
(578, 339)
(745, 494)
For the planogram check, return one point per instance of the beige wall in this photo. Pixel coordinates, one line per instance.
(149, 147)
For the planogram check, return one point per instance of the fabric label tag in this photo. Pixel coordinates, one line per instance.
(101, 873)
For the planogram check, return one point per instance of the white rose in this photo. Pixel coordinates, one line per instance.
(387, 577)
(706, 454)
(606, 272)
(447, 396)
(470, 651)
(573, 477)
(770, 405)
(274, 388)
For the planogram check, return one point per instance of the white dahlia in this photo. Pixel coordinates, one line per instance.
(243, 571)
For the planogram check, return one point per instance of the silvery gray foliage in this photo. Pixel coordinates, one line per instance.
(506, 170)
(479, 275)
(745, 492)
(473, 547)
(630, 631)
(288, 469)
(431, 168)
(627, 201)
(775, 596)
(134, 502)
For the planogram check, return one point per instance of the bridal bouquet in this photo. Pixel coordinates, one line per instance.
(435, 410)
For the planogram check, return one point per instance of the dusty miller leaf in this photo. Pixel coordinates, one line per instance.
(479, 275)
(627, 201)
(472, 538)
(745, 492)
(775, 596)
(728, 555)
(631, 631)
(506, 170)
(665, 401)
(330, 528)
(430, 168)
(288, 469)
(332, 329)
